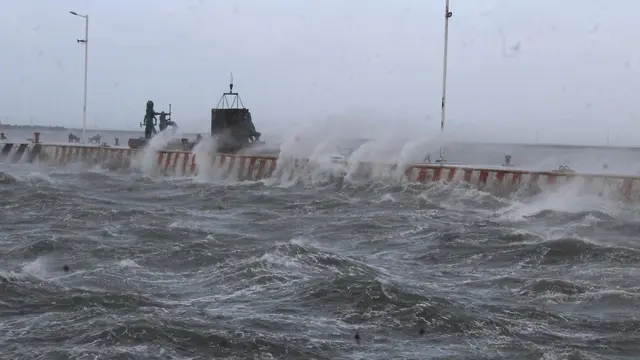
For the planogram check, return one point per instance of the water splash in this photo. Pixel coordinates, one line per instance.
(146, 160)
(204, 153)
(382, 158)
(573, 197)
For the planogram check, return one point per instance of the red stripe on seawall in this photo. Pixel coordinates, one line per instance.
(436, 174)
(467, 175)
(167, 160)
(272, 168)
(422, 175)
(252, 165)
(193, 164)
(175, 161)
(452, 173)
(482, 179)
(185, 162)
(517, 177)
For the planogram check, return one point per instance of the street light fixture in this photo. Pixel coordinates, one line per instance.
(85, 41)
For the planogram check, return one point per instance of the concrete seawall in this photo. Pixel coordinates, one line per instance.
(500, 180)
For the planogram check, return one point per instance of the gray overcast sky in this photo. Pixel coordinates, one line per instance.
(569, 68)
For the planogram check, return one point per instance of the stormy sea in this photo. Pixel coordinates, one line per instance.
(99, 264)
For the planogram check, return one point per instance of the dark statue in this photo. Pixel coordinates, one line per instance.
(164, 122)
(251, 129)
(150, 121)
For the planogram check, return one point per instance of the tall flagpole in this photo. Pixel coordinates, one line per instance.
(447, 15)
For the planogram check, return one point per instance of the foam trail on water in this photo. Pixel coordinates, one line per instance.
(204, 158)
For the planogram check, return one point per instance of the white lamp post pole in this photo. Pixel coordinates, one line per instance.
(447, 15)
(86, 61)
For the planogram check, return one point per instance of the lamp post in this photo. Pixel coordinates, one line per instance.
(447, 15)
(86, 58)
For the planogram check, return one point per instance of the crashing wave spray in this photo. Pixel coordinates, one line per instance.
(204, 153)
(292, 148)
(323, 162)
(357, 157)
(407, 156)
(146, 161)
(373, 159)
(314, 158)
